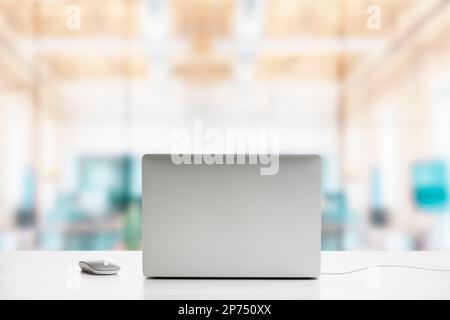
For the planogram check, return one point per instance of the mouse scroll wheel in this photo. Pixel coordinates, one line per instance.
(105, 263)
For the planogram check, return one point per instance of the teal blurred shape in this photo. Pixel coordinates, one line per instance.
(378, 209)
(89, 217)
(109, 175)
(430, 185)
(26, 211)
(131, 231)
(334, 216)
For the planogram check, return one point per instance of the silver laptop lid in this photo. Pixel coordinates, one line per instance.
(229, 220)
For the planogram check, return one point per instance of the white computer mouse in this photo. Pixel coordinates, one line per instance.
(99, 267)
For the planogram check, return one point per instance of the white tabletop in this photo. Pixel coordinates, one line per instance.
(56, 275)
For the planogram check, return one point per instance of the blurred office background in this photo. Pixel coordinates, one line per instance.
(87, 87)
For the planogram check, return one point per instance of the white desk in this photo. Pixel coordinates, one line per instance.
(55, 275)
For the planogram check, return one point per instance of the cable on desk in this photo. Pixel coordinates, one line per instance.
(383, 266)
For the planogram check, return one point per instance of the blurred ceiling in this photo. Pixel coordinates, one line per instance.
(323, 40)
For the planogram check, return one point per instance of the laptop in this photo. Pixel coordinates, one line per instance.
(223, 219)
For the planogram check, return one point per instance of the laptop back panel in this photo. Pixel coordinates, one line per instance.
(228, 220)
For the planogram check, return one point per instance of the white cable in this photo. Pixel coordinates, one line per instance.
(383, 266)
